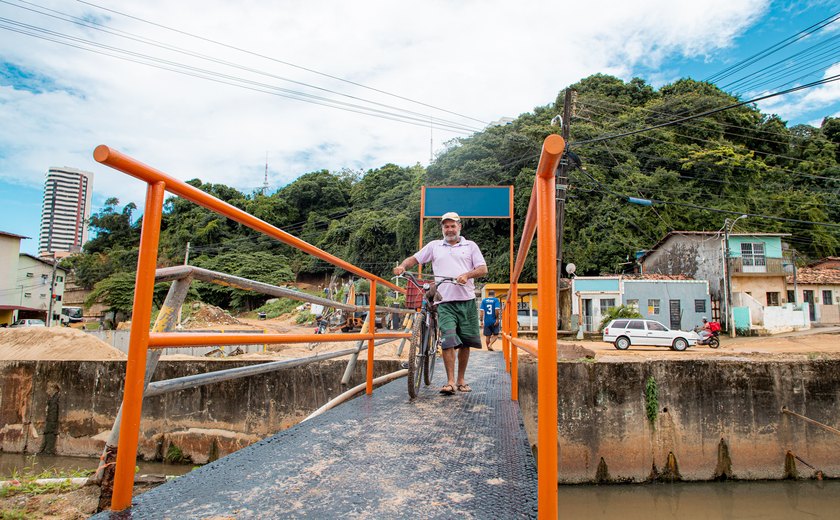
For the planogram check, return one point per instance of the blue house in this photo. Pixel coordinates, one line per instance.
(674, 301)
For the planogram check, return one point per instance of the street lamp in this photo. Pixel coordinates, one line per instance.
(728, 225)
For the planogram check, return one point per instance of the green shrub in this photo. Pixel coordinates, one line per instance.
(622, 311)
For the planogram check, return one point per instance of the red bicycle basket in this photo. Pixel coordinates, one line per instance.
(413, 297)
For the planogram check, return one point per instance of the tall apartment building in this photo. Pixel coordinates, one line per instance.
(66, 210)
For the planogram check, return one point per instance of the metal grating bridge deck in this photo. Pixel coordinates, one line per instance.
(380, 456)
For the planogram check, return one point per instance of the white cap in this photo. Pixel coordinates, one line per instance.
(450, 216)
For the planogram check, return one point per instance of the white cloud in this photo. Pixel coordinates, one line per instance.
(816, 99)
(483, 59)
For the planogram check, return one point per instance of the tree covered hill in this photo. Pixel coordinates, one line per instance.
(737, 160)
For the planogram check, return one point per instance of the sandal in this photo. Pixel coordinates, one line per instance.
(464, 388)
(447, 390)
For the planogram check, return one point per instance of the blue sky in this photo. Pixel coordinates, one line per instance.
(477, 60)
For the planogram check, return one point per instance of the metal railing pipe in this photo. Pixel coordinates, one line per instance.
(206, 275)
(138, 344)
(200, 339)
(119, 161)
(183, 383)
(528, 345)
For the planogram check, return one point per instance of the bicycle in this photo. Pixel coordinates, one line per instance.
(425, 336)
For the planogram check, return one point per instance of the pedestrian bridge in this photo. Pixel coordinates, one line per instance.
(381, 456)
(377, 456)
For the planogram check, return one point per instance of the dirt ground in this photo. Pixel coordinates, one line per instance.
(54, 343)
(75, 504)
(819, 343)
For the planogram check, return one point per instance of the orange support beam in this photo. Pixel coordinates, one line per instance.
(138, 341)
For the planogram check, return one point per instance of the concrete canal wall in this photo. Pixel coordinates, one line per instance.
(68, 407)
(690, 419)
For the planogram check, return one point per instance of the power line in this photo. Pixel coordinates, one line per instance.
(313, 71)
(710, 112)
(746, 62)
(707, 208)
(217, 77)
(148, 41)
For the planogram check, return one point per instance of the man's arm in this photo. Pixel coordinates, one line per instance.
(406, 264)
(478, 272)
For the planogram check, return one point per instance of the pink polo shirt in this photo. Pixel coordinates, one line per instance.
(453, 261)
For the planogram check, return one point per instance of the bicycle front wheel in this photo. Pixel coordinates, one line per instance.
(415, 355)
(430, 349)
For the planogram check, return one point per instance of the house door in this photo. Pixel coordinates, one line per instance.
(676, 315)
(808, 297)
(587, 314)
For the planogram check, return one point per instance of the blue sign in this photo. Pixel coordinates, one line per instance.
(468, 201)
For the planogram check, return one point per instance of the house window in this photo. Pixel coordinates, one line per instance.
(27, 295)
(752, 257)
(772, 299)
(791, 298)
(44, 278)
(43, 296)
(699, 305)
(58, 297)
(827, 297)
(59, 278)
(606, 305)
(30, 275)
(633, 304)
(653, 306)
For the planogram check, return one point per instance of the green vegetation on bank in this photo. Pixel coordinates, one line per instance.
(738, 160)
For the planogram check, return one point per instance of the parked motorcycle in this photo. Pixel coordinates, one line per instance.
(711, 340)
(321, 325)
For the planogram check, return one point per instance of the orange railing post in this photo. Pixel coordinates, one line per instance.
(514, 352)
(138, 345)
(547, 327)
(541, 218)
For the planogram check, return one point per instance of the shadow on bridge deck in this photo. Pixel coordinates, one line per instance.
(460, 456)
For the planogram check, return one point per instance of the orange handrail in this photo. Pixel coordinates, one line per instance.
(541, 217)
(126, 164)
(140, 337)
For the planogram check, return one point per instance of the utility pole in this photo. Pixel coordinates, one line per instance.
(52, 292)
(795, 288)
(562, 183)
(728, 225)
(730, 321)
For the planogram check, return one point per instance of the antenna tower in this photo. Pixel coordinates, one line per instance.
(265, 179)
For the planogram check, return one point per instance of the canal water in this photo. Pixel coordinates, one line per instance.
(765, 500)
(12, 463)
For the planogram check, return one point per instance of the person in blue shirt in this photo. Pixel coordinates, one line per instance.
(491, 310)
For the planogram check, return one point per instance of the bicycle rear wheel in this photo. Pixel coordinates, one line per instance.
(430, 348)
(415, 355)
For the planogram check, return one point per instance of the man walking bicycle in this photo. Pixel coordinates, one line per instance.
(458, 258)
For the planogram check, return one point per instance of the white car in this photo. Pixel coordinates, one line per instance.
(526, 319)
(625, 332)
(28, 323)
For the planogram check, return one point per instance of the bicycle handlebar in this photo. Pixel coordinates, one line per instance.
(413, 279)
